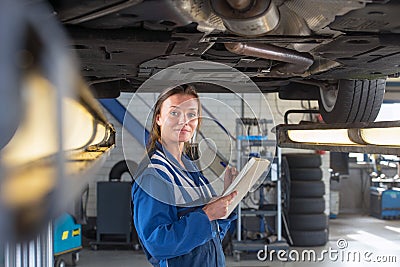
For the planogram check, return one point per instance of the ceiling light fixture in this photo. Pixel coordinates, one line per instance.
(375, 137)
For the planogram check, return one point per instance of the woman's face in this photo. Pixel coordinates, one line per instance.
(178, 118)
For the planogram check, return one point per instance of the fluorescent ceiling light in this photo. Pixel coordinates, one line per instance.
(37, 136)
(78, 124)
(373, 137)
(325, 136)
(381, 136)
(42, 144)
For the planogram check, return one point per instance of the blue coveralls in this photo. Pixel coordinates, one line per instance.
(172, 234)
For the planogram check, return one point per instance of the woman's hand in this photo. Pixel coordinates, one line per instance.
(218, 209)
(230, 175)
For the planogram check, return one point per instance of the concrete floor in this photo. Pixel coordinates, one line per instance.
(376, 241)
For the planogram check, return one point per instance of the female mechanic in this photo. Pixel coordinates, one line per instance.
(176, 222)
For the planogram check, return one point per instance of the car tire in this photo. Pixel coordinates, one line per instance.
(308, 222)
(306, 174)
(352, 101)
(307, 205)
(309, 238)
(303, 160)
(306, 189)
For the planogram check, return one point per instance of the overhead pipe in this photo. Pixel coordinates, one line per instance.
(102, 12)
(298, 62)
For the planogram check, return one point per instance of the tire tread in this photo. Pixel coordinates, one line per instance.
(307, 189)
(358, 101)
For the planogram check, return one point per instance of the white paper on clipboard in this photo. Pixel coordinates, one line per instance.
(247, 177)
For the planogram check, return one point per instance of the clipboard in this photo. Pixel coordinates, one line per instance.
(254, 169)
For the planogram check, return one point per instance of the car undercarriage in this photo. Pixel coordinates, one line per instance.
(305, 50)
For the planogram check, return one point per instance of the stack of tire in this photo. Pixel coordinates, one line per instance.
(308, 224)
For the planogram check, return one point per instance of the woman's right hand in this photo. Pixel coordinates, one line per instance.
(230, 174)
(218, 209)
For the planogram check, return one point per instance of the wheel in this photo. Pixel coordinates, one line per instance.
(307, 188)
(306, 174)
(352, 101)
(307, 205)
(309, 238)
(303, 160)
(236, 255)
(74, 258)
(60, 263)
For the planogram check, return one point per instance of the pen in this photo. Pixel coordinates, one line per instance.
(224, 164)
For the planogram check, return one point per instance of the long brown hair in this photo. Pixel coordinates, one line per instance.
(155, 133)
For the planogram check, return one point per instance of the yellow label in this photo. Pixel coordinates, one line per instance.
(76, 232)
(64, 235)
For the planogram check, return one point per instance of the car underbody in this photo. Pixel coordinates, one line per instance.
(299, 48)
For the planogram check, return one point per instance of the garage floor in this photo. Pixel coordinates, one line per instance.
(367, 241)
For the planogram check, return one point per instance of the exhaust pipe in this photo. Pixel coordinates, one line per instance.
(297, 62)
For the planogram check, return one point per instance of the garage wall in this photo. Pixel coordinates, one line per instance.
(224, 113)
(354, 189)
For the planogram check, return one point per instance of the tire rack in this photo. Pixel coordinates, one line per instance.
(239, 245)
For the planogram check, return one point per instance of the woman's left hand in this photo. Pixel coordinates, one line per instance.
(230, 175)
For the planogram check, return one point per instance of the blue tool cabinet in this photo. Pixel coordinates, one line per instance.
(385, 203)
(67, 239)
